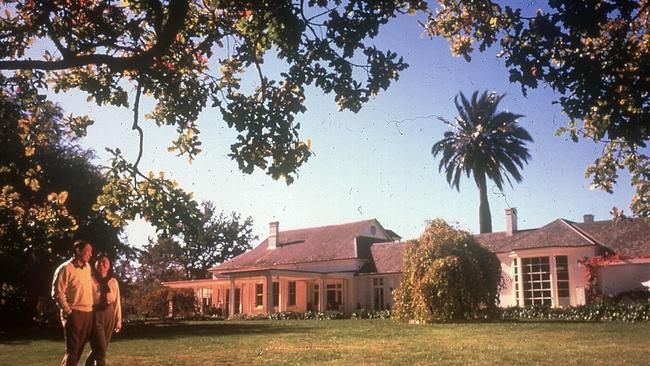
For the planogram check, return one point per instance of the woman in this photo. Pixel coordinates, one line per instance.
(106, 309)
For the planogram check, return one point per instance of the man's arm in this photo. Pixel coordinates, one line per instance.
(59, 287)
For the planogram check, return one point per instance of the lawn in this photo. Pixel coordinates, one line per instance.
(351, 342)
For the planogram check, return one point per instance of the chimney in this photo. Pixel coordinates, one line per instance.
(511, 221)
(588, 218)
(274, 235)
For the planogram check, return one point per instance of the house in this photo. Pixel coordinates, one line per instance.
(338, 267)
(545, 265)
(358, 265)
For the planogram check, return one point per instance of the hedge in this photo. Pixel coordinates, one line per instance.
(589, 313)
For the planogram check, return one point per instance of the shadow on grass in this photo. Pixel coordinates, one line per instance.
(160, 330)
(24, 335)
(169, 330)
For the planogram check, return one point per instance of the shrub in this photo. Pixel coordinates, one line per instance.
(447, 276)
(365, 314)
(588, 313)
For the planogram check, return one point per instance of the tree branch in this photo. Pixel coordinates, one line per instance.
(135, 126)
(177, 11)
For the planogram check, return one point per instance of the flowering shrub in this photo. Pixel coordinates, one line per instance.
(365, 314)
(286, 315)
(447, 276)
(328, 315)
(292, 315)
(242, 316)
(590, 266)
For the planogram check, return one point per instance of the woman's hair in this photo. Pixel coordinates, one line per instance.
(110, 273)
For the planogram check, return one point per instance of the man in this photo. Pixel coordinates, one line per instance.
(72, 290)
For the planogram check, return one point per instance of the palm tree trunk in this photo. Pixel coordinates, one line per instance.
(484, 215)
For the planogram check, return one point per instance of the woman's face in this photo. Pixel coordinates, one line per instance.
(102, 266)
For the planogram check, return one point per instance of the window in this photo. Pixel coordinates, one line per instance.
(206, 297)
(292, 293)
(259, 294)
(562, 275)
(515, 263)
(276, 294)
(378, 291)
(316, 301)
(536, 273)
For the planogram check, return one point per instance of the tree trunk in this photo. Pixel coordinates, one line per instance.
(484, 216)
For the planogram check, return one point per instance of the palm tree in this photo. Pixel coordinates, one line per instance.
(484, 143)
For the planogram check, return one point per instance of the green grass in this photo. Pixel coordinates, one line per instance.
(351, 342)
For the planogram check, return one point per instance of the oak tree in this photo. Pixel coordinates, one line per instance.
(48, 187)
(191, 55)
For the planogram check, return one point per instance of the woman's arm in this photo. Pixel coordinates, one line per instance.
(118, 305)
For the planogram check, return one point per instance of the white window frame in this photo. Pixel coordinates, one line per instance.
(518, 276)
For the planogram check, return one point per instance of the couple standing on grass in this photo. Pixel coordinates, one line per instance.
(90, 304)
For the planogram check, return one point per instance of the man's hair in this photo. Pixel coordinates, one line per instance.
(79, 244)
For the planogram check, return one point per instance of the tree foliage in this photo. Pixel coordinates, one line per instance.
(447, 276)
(595, 54)
(484, 143)
(186, 55)
(156, 303)
(47, 189)
(189, 54)
(212, 239)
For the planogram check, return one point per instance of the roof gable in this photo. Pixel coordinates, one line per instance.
(559, 233)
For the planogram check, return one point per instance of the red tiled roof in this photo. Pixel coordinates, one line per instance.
(629, 237)
(323, 243)
(496, 241)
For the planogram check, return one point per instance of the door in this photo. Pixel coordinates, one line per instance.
(334, 296)
(237, 299)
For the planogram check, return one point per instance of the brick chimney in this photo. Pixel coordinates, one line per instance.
(588, 218)
(274, 235)
(511, 221)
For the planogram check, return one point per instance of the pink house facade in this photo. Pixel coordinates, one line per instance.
(338, 267)
(358, 265)
(543, 265)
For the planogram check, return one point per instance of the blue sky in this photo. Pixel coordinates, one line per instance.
(377, 163)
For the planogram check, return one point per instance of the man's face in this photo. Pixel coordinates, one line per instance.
(84, 253)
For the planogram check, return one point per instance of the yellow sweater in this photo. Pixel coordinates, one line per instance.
(113, 298)
(72, 287)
